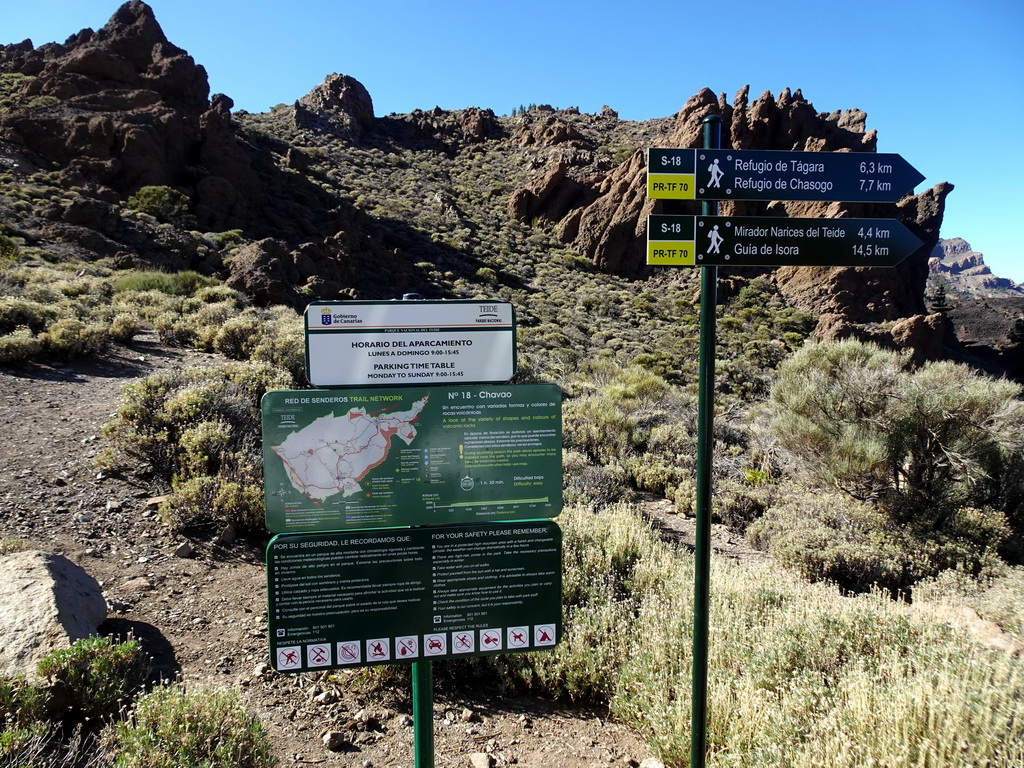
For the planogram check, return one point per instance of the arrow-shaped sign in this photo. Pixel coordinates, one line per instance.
(776, 242)
(742, 174)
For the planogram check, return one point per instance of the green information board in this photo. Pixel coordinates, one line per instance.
(349, 599)
(375, 458)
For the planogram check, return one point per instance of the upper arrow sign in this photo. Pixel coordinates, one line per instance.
(740, 174)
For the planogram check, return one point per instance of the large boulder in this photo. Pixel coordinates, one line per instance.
(46, 603)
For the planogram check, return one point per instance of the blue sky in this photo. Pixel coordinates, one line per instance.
(941, 81)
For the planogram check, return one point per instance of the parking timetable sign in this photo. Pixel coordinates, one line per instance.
(359, 598)
(387, 343)
(346, 459)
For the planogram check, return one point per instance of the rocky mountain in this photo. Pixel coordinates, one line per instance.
(330, 201)
(964, 271)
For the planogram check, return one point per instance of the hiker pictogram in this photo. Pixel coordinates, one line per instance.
(288, 658)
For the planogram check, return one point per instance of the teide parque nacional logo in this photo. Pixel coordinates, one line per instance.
(488, 313)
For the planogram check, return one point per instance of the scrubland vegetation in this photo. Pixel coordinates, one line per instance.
(874, 485)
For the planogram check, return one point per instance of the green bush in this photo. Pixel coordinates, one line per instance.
(43, 102)
(174, 727)
(69, 338)
(226, 238)
(21, 704)
(165, 204)
(233, 497)
(19, 347)
(96, 677)
(183, 283)
(18, 312)
(124, 327)
(199, 431)
(830, 537)
(924, 443)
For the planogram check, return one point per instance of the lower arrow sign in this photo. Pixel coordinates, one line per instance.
(777, 242)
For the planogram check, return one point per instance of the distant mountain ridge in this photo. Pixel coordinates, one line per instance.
(966, 272)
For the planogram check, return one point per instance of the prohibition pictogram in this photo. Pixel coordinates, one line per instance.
(435, 645)
(463, 642)
(289, 658)
(408, 647)
(349, 652)
(518, 637)
(378, 649)
(318, 655)
(544, 634)
(490, 639)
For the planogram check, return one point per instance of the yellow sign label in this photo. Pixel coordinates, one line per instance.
(671, 186)
(677, 253)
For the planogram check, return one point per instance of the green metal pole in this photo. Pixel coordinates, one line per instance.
(423, 713)
(705, 449)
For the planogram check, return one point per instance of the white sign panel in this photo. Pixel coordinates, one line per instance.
(360, 343)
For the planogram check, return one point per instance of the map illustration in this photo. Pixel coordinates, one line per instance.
(333, 453)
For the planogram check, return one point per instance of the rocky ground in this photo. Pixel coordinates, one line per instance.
(202, 617)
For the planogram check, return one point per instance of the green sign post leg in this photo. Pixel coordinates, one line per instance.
(423, 713)
(705, 449)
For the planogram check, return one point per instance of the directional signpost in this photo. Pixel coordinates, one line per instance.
(709, 241)
(745, 174)
(741, 241)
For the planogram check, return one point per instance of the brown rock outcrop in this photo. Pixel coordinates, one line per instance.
(609, 225)
(341, 101)
(956, 261)
(548, 131)
(130, 109)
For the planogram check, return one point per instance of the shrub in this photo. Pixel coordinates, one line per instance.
(164, 204)
(96, 676)
(172, 727)
(16, 312)
(199, 431)
(923, 443)
(19, 347)
(226, 238)
(233, 497)
(69, 338)
(158, 411)
(124, 327)
(21, 704)
(830, 537)
(43, 102)
(172, 283)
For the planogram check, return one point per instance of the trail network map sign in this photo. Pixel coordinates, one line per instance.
(347, 459)
(357, 598)
(360, 343)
